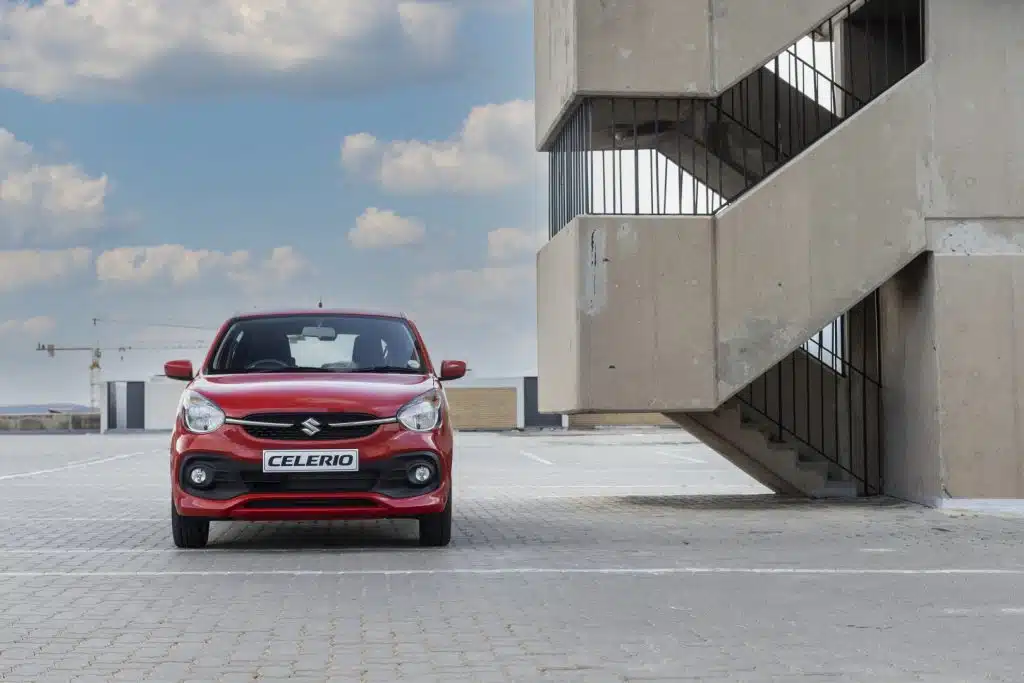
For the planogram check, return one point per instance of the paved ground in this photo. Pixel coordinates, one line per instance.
(595, 558)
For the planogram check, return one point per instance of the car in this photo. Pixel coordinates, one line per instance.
(313, 415)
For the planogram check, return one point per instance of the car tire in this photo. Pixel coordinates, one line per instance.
(189, 532)
(436, 528)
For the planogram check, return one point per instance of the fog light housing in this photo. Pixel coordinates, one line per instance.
(420, 474)
(200, 476)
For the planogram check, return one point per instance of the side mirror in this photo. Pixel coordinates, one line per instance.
(179, 369)
(452, 369)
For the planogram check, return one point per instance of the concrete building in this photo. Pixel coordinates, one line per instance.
(795, 228)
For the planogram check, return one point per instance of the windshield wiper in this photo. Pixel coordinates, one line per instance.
(398, 369)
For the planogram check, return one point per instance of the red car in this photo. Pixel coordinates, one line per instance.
(309, 415)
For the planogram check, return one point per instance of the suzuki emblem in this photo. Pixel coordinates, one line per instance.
(310, 427)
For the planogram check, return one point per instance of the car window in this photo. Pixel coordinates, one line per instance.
(322, 342)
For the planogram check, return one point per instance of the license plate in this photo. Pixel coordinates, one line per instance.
(311, 461)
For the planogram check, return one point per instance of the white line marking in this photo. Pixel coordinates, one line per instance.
(878, 550)
(559, 487)
(684, 458)
(73, 465)
(508, 571)
(982, 611)
(536, 458)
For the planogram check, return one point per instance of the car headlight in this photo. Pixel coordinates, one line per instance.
(202, 415)
(421, 414)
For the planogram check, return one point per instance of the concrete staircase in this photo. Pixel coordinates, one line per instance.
(688, 309)
(757, 447)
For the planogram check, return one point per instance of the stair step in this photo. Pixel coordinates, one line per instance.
(785, 458)
(818, 466)
(837, 489)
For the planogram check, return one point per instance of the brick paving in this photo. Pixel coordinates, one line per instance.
(583, 557)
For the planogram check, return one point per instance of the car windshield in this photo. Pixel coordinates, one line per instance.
(317, 343)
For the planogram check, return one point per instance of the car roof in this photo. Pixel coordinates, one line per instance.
(318, 311)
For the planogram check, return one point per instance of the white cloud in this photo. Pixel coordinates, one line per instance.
(54, 49)
(430, 26)
(507, 244)
(491, 307)
(485, 285)
(180, 265)
(493, 150)
(283, 265)
(39, 324)
(380, 228)
(43, 202)
(21, 269)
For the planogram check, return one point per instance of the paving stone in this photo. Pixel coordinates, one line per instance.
(72, 607)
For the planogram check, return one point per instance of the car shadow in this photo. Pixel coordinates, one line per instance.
(336, 535)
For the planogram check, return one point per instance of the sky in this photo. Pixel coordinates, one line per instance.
(166, 164)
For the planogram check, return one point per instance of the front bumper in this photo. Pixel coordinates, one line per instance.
(241, 490)
(321, 506)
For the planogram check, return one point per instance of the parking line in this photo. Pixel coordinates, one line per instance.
(73, 465)
(684, 458)
(536, 458)
(519, 571)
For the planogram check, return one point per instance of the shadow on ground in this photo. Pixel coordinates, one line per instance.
(759, 502)
(605, 521)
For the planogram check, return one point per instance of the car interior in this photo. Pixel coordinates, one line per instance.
(268, 345)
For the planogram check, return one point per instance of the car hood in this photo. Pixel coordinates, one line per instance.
(377, 394)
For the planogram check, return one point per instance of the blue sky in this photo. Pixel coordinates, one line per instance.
(375, 152)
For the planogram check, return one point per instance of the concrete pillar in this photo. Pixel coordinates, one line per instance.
(951, 337)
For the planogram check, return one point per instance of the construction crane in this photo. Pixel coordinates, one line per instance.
(96, 352)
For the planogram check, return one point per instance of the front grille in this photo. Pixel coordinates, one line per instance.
(294, 431)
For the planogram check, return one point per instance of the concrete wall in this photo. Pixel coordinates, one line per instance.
(657, 47)
(955, 369)
(952, 347)
(910, 370)
(589, 421)
(625, 315)
(485, 401)
(163, 396)
(823, 232)
(50, 422)
(483, 408)
(675, 313)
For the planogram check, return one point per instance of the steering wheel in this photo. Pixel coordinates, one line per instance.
(261, 364)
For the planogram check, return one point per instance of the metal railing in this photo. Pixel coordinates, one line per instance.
(686, 156)
(692, 156)
(833, 414)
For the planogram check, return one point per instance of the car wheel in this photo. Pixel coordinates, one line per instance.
(189, 532)
(436, 528)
